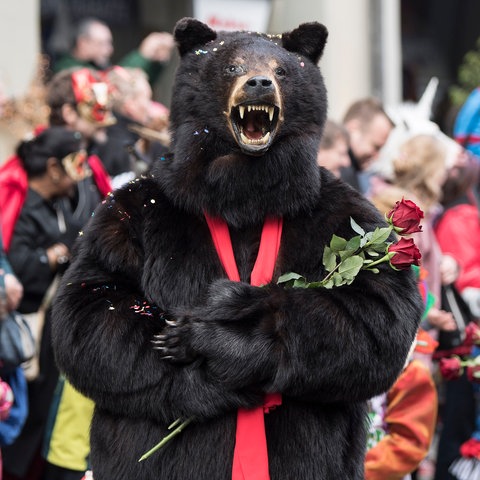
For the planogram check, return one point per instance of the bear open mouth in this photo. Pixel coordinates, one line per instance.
(254, 126)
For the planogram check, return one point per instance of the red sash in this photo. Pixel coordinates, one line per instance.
(250, 457)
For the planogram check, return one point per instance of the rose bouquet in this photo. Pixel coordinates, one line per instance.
(343, 259)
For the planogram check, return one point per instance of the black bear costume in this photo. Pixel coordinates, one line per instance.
(147, 324)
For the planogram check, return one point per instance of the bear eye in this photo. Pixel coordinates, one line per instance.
(280, 72)
(237, 69)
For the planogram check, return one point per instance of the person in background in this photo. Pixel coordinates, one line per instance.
(80, 100)
(10, 287)
(466, 129)
(402, 421)
(333, 149)
(13, 385)
(54, 161)
(419, 173)
(457, 230)
(132, 106)
(368, 127)
(93, 48)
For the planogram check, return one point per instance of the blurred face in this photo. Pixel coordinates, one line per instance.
(138, 106)
(90, 131)
(334, 158)
(97, 46)
(366, 141)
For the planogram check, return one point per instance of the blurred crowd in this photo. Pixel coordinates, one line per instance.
(89, 127)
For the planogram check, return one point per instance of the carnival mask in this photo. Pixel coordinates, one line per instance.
(92, 97)
(76, 165)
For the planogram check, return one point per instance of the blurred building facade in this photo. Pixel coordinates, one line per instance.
(386, 48)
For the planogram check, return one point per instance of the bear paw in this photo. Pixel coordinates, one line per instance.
(173, 343)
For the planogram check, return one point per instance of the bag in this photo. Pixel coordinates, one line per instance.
(453, 302)
(36, 321)
(17, 344)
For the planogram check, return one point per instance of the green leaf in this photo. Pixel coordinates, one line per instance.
(380, 248)
(365, 239)
(380, 235)
(338, 279)
(347, 253)
(372, 253)
(300, 283)
(356, 227)
(329, 284)
(288, 277)
(329, 259)
(337, 243)
(354, 243)
(350, 267)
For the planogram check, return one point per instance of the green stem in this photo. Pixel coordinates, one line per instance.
(166, 439)
(381, 260)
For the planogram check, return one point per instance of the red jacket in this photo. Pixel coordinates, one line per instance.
(458, 234)
(14, 185)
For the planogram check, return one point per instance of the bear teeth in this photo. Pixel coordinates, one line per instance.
(260, 141)
(265, 108)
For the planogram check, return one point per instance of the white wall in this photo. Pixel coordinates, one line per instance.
(19, 50)
(19, 43)
(347, 64)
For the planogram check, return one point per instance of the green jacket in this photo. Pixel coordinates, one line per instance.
(132, 60)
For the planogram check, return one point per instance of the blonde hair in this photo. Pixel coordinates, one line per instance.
(416, 168)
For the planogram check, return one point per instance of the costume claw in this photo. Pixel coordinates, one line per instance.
(171, 323)
(162, 348)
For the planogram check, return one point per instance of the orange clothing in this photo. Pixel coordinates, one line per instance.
(410, 417)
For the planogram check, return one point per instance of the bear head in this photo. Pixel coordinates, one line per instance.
(247, 114)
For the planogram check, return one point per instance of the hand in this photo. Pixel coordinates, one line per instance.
(441, 320)
(449, 269)
(58, 254)
(157, 46)
(174, 342)
(13, 290)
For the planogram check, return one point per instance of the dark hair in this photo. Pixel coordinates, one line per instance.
(55, 142)
(460, 180)
(59, 93)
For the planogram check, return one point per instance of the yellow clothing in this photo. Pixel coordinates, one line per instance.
(68, 440)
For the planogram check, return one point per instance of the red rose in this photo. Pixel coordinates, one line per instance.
(472, 334)
(406, 254)
(405, 217)
(451, 368)
(470, 449)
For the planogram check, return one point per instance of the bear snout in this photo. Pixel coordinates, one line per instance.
(259, 85)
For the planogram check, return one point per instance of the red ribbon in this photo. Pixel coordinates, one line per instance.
(250, 457)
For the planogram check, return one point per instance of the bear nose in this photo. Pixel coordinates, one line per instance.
(259, 84)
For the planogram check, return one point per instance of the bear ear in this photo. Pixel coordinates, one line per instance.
(190, 33)
(308, 39)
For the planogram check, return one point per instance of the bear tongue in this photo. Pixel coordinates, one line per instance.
(251, 131)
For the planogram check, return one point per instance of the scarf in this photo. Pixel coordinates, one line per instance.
(250, 457)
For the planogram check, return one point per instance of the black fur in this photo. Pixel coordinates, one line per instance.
(146, 269)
